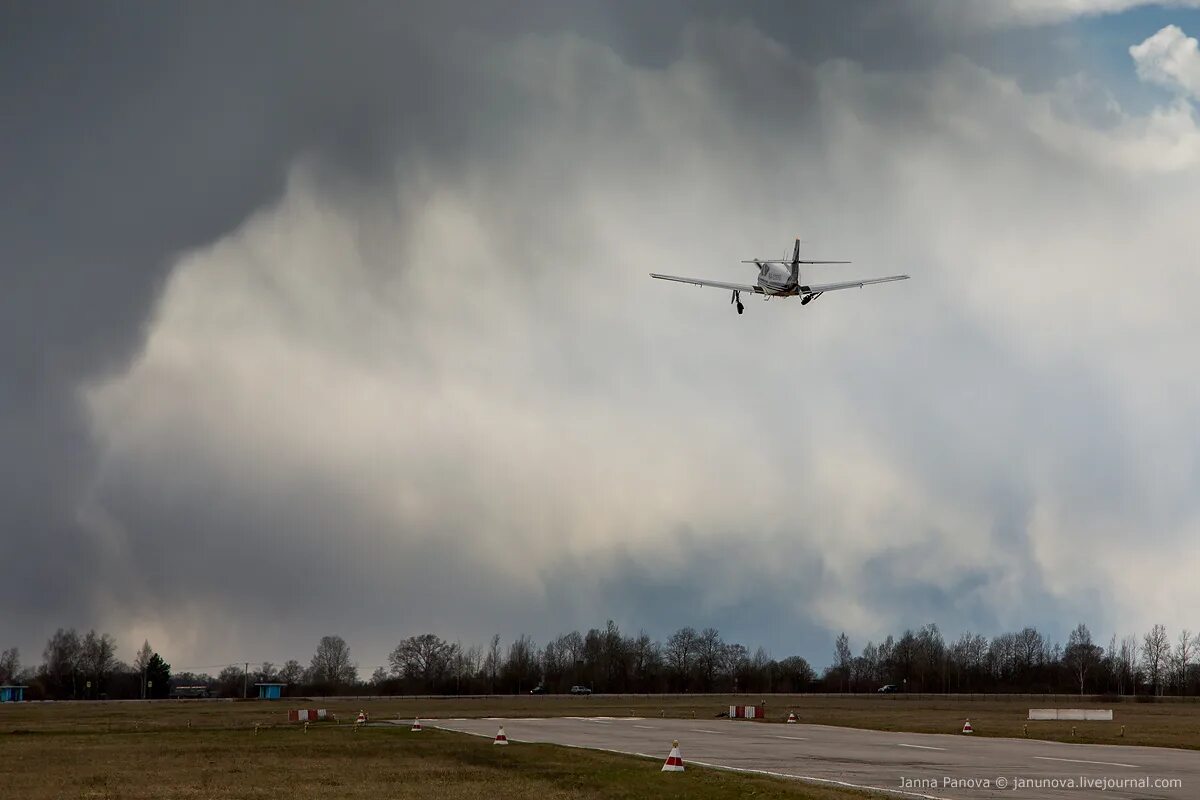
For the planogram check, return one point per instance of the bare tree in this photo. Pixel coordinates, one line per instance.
(229, 681)
(60, 662)
(1112, 662)
(141, 661)
(1030, 650)
(930, 658)
(425, 658)
(734, 664)
(1128, 660)
(868, 664)
(968, 658)
(568, 649)
(521, 663)
(841, 658)
(10, 665)
(98, 658)
(1156, 649)
(710, 652)
(762, 668)
(681, 654)
(491, 662)
(143, 656)
(1184, 651)
(468, 663)
(292, 673)
(646, 658)
(331, 664)
(796, 674)
(1081, 654)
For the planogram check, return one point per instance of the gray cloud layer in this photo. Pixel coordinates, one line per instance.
(358, 337)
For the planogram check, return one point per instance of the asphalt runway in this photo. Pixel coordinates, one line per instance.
(907, 764)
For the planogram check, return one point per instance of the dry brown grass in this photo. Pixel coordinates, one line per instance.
(338, 761)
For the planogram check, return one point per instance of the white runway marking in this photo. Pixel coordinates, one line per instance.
(814, 780)
(919, 746)
(646, 727)
(794, 738)
(701, 730)
(1079, 761)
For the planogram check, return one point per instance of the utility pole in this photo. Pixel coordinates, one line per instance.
(245, 678)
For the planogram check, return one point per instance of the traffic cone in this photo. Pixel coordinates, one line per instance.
(416, 725)
(791, 718)
(362, 717)
(500, 737)
(674, 760)
(967, 727)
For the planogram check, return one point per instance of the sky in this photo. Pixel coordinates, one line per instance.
(335, 319)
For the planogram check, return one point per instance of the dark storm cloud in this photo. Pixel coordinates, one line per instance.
(239, 390)
(133, 132)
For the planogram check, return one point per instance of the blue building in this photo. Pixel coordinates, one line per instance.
(269, 691)
(12, 694)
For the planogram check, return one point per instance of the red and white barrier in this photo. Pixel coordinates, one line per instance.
(967, 727)
(747, 712)
(362, 718)
(416, 728)
(500, 737)
(306, 714)
(791, 720)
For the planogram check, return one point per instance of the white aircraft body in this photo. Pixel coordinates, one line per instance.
(780, 278)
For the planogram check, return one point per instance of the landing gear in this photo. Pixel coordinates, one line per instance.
(808, 298)
(737, 298)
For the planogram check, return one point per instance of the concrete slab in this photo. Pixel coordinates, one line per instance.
(906, 764)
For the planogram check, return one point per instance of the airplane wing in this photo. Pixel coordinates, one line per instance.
(789, 261)
(737, 287)
(830, 287)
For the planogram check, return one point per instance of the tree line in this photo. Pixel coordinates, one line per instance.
(604, 659)
(1021, 661)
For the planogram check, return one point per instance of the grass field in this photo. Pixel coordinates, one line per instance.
(210, 749)
(339, 761)
(1161, 724)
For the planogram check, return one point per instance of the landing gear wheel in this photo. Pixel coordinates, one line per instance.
(741, 307)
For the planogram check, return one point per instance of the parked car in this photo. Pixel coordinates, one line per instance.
(890, 688)
(539, 689)
(580, 690)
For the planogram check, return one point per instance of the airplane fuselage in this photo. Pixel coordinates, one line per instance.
(777, 280)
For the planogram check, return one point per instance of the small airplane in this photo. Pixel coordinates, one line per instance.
(780, 278)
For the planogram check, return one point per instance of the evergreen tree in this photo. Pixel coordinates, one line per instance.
(158, 677)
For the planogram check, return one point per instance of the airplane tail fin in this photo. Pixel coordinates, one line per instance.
(796, 262)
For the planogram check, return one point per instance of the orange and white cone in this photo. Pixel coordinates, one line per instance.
(791, 720)
(674, 761)
(416, 725)
(967, 727)
(500, 737)
(362, 717)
